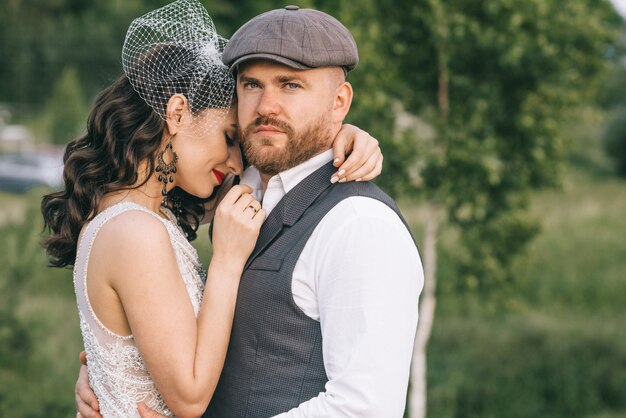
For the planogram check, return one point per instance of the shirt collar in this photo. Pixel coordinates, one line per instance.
(288, 178)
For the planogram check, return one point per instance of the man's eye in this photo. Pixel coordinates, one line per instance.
(251, 85)
(293, 86)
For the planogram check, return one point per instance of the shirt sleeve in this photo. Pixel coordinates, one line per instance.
(368, 277)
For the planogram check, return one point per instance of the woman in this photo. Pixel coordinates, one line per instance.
(159, 142)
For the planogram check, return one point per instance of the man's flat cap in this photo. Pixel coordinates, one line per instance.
(299, 38)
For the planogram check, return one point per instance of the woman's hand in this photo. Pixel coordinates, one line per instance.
(365, 160)
(236, 225)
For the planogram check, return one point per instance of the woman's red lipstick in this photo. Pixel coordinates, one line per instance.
(219, 176)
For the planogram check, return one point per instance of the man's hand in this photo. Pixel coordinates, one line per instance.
(146, 412)
(86, 402)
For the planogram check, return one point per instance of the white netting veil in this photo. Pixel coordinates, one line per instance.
(176, 49)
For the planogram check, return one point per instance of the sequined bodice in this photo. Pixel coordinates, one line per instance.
(117, 372)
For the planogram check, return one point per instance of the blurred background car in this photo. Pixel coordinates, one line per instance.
(22, 171)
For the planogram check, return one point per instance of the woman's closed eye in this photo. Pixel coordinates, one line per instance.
(230, 139)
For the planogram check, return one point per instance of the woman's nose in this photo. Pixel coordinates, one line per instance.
(234, 162)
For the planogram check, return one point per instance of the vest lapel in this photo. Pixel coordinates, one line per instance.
(292, 206)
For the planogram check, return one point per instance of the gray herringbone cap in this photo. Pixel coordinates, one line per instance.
(299, 38)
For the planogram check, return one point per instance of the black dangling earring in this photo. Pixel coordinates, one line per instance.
(177, 204)
(165, 170)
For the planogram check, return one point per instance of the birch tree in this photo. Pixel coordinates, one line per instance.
(494, 81)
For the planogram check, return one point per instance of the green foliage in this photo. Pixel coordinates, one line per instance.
(513, 71)
(613, 97)
(39, 334)
(615, 140)
(553, 343)
(15, 342)
(43, 37)
(65, 112)
(494, 244)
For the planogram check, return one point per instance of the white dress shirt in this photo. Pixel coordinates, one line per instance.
(360, 276)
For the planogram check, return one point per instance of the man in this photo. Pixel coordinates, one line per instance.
(327, 306)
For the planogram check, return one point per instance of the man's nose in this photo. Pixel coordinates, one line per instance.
(269, 104)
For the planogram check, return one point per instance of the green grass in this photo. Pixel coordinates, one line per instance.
(11, 207)
(553, 343)
(519, 366)
(579, 261)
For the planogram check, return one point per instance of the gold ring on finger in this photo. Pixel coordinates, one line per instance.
(255, 210)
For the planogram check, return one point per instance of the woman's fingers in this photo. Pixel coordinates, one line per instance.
(246, 202)
(378, 169)
(358, 155)
(258, 218)
(362, 161)
(236, 201)
(235, 193)
(364, 147)
(369, 170)
(342, 145)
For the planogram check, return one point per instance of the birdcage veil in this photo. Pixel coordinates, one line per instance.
(176, 49)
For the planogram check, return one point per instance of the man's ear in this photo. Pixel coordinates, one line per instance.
(342, 101)
(177, 107)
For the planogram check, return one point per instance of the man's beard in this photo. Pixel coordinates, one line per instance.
(300, 147)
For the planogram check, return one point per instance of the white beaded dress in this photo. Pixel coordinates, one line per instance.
(117, 372)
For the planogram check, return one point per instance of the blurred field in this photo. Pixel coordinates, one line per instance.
(551, 344)
(558, 349)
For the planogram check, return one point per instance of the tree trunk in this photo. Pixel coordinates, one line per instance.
(417, 399)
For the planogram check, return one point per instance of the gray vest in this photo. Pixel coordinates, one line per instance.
(274, 360)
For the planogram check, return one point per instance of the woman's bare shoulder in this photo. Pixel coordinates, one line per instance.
(133, 233)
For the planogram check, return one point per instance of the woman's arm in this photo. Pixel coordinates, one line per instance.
(184, 356)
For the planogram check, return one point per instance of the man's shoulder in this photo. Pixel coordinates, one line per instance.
(364, 198)
(358, 209)
(359, 203)
(362, 222)
(360, 188)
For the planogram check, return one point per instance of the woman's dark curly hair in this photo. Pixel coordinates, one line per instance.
(122, 132)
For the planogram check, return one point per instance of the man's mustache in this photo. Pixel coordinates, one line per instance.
(268, 121)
